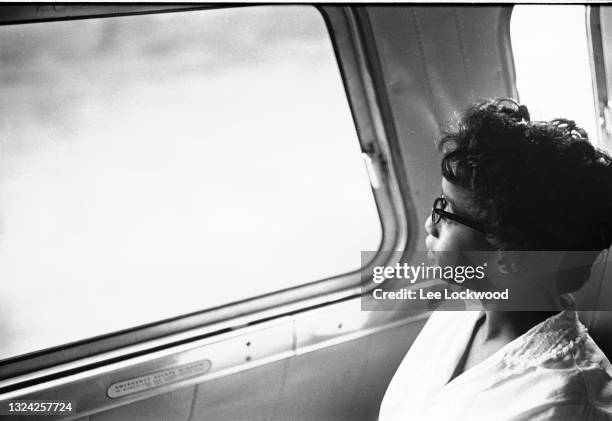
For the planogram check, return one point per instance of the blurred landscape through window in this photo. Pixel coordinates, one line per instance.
(156, 165)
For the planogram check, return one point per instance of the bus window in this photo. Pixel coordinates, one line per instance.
(157, 165)
(552, 40)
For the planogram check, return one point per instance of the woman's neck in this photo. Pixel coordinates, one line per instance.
(509, 325)
(528, 304)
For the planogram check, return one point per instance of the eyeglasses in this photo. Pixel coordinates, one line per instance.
(437, 212)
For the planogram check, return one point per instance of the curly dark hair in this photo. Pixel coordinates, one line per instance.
(536, 185)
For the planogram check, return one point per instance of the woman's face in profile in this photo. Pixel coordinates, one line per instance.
(448, 235)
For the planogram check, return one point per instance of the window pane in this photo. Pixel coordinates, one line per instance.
(551, 58)
(156, 165)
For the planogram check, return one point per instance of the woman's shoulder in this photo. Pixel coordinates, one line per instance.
(559, 367)
(589, 376)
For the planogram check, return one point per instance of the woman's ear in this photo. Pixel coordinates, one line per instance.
(508, 262)
(491, 239)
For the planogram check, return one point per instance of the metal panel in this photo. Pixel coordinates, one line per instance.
(320, 385)
(385, 351)
(228, 354)
(173, 406)
(343, 377)
(251, 395)
(342, 322)
(252, 375)
(436, 60)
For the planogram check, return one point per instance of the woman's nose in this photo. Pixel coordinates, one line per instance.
(430, 228)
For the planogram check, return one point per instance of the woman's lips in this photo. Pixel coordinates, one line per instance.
(431, 254)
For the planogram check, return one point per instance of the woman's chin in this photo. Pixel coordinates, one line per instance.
(432, 257)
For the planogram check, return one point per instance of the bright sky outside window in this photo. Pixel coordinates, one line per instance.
(551, 58)
(157, 165)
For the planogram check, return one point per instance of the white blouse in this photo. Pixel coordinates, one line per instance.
(553, 372)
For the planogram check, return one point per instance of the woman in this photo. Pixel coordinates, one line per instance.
(515, 189)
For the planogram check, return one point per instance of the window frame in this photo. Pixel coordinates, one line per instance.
(356, 56)
(601, 84)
